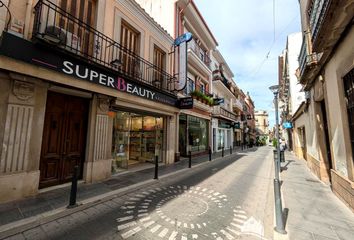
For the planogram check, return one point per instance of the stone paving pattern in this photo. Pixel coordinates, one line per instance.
(311, 209)
(314, 212)
(46, 201)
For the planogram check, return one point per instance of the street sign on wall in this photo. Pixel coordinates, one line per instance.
(287, 125)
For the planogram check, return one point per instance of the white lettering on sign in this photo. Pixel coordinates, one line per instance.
(106, 80)
(68, 67)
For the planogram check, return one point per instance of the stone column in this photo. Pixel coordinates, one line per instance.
(22, 107)
(99, 160)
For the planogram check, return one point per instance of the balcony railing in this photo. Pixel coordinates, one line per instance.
(316, 15)
(190, 87)
(217, 76)
(68, 33)
(237, 104)
(306, 59)
(202, 55)
(220, 111)
(302, 56)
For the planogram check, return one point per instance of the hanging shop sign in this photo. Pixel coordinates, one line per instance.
(181, 42)
(186, 37)
(224, 124)
(185, 103)
(236, 125)
(287, 125)
(218, 101)
(15, 47)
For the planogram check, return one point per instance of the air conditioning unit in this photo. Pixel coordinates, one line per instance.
(73, 43)
(65, 39)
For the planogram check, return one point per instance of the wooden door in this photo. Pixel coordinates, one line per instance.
(64, 138)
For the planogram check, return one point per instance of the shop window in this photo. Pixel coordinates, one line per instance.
(136, 139)
(221, 139)
(198, 134)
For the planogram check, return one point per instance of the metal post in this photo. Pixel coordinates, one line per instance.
(73, 191)
(222, 151)
(190, 159)
(230, 150)
(277, 162)
(278, 203)
(156, 167)
(209, 153)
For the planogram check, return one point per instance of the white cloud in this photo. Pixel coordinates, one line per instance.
(245, 33)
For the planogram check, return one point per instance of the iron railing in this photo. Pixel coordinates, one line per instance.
(201, 54)
(190, 87)
(56, 26)
(220, 111)
(316, 15)
(303, 56)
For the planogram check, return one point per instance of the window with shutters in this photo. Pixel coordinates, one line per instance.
(129, 39)
(159, 62)
(77, 36)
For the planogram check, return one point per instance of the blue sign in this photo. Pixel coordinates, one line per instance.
(186, 37)
(287, 125)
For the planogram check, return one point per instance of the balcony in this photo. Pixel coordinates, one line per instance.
(218, 76)
(200, 53)
(55, 27)
(307, 61)
(237, 105)
(317, 13)
(223, 113)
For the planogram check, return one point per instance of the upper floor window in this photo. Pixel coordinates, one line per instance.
(159, 63)
(202, 87)
(77, 37)
(129, 39)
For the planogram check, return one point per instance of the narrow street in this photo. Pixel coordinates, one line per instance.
(229, 198)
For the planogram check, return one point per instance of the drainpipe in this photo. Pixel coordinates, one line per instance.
(28, 18)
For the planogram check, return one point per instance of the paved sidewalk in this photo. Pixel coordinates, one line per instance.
(54, 201)
(313, 211)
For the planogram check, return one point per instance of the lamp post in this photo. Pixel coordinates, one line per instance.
(277, 196)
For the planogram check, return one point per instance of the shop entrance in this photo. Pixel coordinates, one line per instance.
(137, 138)
(64, 138)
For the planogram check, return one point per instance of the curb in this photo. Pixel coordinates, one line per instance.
(19, 226)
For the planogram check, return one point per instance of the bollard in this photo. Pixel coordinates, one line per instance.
(156, 167)
(209, 153)
(230, 150)
(73, 190)
(280, 227)
(190, 159)
(222, 152)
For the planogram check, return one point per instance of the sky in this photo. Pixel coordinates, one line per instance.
(251, 35)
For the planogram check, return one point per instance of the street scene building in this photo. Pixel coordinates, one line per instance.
(97, 89)
(321, 111)
(85, 93)
(148, 119)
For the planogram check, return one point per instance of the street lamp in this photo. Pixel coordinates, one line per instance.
(278, 204)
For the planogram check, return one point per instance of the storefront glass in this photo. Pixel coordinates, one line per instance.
(221, 139)
(198, 134)
(136, 139)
